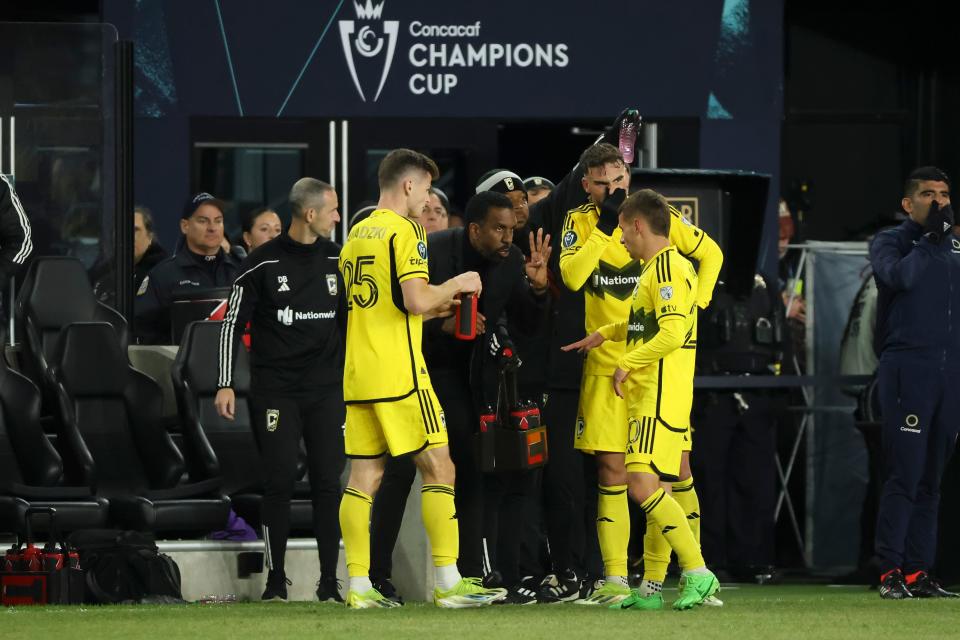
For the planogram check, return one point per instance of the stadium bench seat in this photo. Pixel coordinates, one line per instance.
(111, 425)
(214, 446)
(31, 470)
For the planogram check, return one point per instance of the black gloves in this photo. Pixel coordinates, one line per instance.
(939, 222)
(501, 349)
(610, 211)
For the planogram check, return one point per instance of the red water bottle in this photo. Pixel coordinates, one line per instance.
(466, 318)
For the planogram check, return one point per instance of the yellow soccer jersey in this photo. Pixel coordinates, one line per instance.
(383, 357)
(598, 263)
(660, 338)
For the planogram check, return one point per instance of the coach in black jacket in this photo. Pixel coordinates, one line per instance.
(291, 292)
(15, 242)
(511, 287)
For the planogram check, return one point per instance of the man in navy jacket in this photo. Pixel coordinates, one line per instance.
(917, 269)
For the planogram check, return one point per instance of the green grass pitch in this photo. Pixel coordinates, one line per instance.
(768, 612)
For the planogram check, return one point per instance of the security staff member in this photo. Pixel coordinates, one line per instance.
(917, 268)
(200, 263)
(511, 287)
(15, 237)
(291, 292)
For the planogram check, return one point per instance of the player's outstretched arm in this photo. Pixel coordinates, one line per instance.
(421, 298)
(670, 337)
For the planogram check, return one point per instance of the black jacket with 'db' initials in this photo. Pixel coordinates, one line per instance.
(292, 295)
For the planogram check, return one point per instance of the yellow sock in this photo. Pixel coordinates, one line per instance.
(613, 528)
(440, 521)
(664, 513)
(355, 528)
(656, 553)
(686, 496)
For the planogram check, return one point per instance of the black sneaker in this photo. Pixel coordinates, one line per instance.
(328, 589)
(276, 590)
(587, 586)
(524, 593)
(387, 590)
(562, 587)
(923, 586)
(893, 587)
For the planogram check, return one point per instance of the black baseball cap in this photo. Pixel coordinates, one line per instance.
(194, 203)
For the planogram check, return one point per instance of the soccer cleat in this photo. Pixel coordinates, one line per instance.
(328, 589)
(370, 599)
(387, 590)
(653, 602)
(555, 588)
(709, 601)
(893, 586)
(276, 589)
(608, 594)
(923, 586)
(588, 586)
(697, 587)
(523, 594)
(469, 592)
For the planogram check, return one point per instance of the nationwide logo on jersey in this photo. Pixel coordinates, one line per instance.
(369, 41)
(619, 283)
(288, 316)
(332, 284)
(641, 326)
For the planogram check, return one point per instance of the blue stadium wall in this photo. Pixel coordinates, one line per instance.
(716, 60)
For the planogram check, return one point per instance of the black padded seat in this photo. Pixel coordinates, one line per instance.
(31, 470)
(56, 291)
(112, 427)
(214, 446)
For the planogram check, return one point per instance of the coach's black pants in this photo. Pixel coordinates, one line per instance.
(735, 475)
(453, 391)
(569, 490)
(279, 424)
(920, 404)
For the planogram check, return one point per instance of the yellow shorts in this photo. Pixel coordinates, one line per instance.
(655, 447)
(601, 417)
(409, 425)
(688, 441)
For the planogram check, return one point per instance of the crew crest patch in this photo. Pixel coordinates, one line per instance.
(666, 292)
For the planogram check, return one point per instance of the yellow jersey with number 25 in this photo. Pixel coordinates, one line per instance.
(384, 361)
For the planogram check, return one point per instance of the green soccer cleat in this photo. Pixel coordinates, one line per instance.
(709, 601)
(696, 589)
(637, 602)
(370, 599)
(469, 592)
(610, 593)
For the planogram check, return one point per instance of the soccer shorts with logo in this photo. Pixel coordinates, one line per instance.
(408, 425)
(654, 447)
(601, 417)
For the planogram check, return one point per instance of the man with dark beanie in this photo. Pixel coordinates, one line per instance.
(917, 269)
(199, 263)
(510, 184)
(291, 292)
